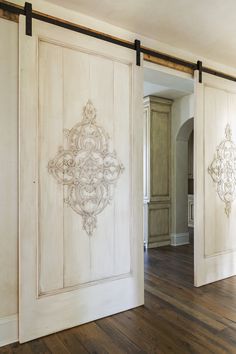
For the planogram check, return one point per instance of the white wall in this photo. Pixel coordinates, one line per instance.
(8, 142)
(182, 112)
(8, 178)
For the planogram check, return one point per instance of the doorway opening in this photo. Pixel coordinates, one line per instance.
(184, 185)
(168, 160)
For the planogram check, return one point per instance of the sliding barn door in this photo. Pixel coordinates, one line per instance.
(215, 180)
(81, 255)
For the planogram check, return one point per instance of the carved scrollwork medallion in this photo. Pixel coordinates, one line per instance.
(87, 168)
(223, 170)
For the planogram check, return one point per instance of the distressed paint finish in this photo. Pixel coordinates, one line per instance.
(214, 230)
(87, 169)
(65, 270)
(9, 172)
(223, 170)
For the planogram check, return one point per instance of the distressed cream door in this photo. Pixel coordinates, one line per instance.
(215, 179)
(81, 241)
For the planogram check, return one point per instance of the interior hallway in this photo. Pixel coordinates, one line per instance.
(176, 318)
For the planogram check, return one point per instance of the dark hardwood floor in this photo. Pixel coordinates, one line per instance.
(176, 318)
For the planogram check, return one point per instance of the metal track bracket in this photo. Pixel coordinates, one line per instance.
(28, 16)
(137, 46)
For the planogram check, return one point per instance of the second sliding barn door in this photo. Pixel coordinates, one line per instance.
(215, 179)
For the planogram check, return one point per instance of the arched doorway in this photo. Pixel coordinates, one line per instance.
(183, 180)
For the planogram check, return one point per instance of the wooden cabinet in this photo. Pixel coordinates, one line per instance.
(157, 169)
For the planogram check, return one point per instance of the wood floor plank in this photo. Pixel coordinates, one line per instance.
(193, 336)
(39, 347)
(21, 348)
(138, 332)
(55, 345)
(120, 339)
(5, 350)
(203, 304)
(96, 340)
(69, 340)
(186, 308)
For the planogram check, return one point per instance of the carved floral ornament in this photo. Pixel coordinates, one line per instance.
(87, 169)
(223, 170)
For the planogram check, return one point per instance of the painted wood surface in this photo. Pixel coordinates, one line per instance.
(215, 242)
(71, 277)
(8, 174)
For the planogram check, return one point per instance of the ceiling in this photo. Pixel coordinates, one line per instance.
(204, 27)
(165, 85)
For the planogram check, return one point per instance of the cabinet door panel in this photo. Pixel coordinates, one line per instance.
(157, 168)
(160, 155)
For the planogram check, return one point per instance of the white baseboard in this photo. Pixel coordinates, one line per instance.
(8, 330)
(180, 239)
(158, 244)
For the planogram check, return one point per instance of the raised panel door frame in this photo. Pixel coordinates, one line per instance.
(162, 238)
